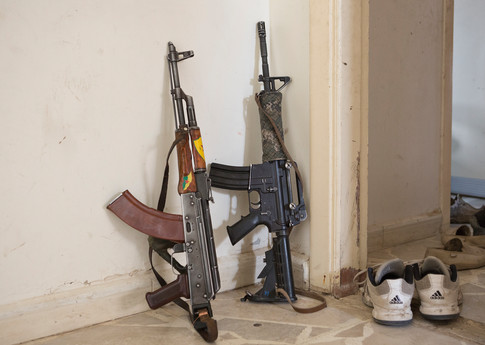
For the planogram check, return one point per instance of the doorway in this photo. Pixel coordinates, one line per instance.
(468, 124)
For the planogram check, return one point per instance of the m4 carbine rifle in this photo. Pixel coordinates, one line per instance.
(190, 232)
(270, 190)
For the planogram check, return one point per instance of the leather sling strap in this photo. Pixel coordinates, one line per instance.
(163, 192)
(209, 333)
(160, 207)
(280, 138)
(310, 294)
(305, 293)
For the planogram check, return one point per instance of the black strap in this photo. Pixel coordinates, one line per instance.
(316, 296)
(163, 192)
(162, 282)
(160, 207)
(208, 327)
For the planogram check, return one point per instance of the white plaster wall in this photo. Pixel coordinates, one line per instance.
(86, 113)
(468, 158)
(405, 88)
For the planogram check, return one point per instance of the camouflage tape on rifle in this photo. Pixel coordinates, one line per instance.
(271, 103)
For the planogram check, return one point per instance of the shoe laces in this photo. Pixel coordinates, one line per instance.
(361, 281)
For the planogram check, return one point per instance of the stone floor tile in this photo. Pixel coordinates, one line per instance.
(346, 321)
(473, 303)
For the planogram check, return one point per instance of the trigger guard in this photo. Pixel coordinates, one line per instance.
(178, 248)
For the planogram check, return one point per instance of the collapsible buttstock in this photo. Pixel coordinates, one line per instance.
(147, 220)
(282, 255)
(184, 156)
(167, 293)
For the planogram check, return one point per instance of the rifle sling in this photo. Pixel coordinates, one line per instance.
(310, 294)
(280, 138)
(163, 192)
(160, 207)
(209, 332)
(297, 171)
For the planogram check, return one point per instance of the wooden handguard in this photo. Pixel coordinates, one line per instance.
(148, 220)
(184, 157)
(167, 293)
(197, 149)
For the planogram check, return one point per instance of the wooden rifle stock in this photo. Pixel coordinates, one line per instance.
(167, 293)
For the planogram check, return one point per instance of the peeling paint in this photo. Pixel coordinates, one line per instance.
(357, 197)
(346, 285)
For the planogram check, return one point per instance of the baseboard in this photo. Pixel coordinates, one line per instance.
(393, 234)
(120, 296)
(106, 300)
(301, 270)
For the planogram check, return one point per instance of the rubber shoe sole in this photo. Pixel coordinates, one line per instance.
(389, 291)
(438, 289)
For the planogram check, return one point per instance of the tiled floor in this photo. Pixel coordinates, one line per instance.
(346, 321)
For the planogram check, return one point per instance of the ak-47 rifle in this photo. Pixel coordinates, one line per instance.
(270, 190)
(190, 232)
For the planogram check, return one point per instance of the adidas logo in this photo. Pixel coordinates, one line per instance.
(395, 300)
(437, 295)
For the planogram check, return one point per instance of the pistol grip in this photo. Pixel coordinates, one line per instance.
(243, 227)
(167, 293)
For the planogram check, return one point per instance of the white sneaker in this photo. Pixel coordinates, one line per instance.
(438, 289)
(390, 291)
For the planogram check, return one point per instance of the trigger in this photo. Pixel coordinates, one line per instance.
(178, 248)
